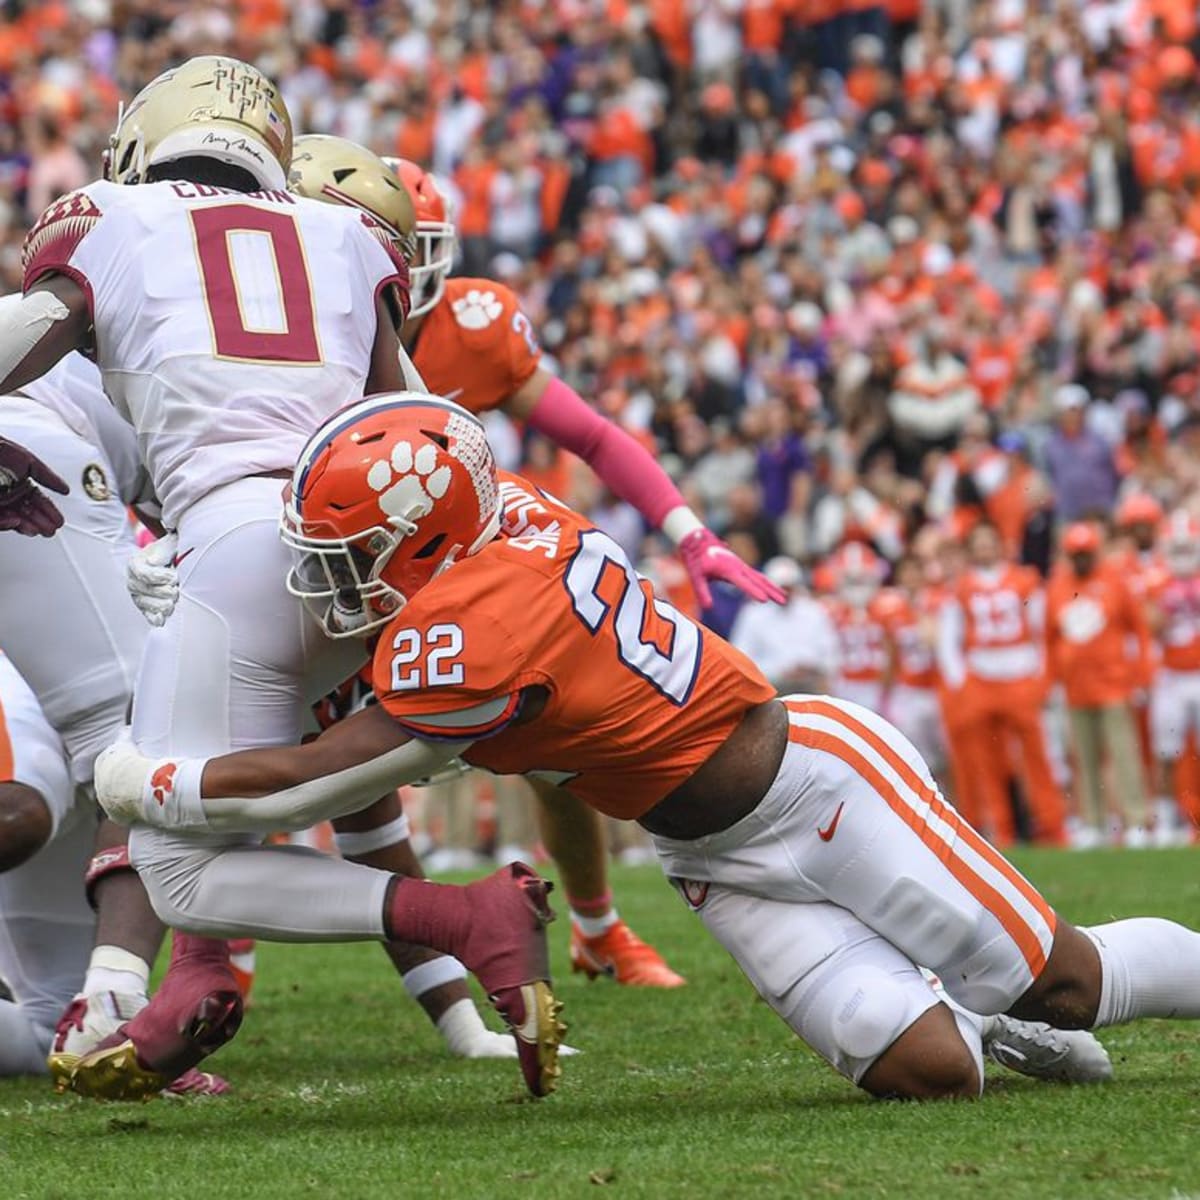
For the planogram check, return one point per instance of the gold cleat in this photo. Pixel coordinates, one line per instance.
(539, 1036)
(115, 1074)
(62, 1067)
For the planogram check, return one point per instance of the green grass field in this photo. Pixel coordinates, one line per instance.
(342, 1089)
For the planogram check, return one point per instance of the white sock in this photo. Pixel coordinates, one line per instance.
(595, 926)
(971, 1026)
(468, 1037)
(112, 969)
(1150, 967)
(432, 974)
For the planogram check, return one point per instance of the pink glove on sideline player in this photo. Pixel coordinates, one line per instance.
(23, 505)
(707, 557)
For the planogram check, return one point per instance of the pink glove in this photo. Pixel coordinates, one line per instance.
(23, 505)
(707, 557)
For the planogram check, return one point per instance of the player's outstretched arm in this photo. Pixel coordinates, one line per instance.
(276, 788)
(553, 408)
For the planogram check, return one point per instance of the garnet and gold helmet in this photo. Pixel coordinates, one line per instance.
(436, 239)
(387, 494)
(209, 107)
(339, 171)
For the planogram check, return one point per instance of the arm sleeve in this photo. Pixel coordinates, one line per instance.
(621, 462)
(330, 796)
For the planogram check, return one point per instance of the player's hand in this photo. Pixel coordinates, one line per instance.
(707, 557)
(121, 776)
(23, 505)
(153, 581)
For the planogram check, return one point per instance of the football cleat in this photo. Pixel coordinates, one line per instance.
(506, 949)
(114, 1071)
(621, 955)
(87, 1021)
(1043, 1052)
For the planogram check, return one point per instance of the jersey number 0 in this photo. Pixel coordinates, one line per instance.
(674, 672)
(256, 284)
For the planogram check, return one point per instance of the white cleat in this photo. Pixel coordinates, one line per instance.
(1043, 1052)
(87, 1021)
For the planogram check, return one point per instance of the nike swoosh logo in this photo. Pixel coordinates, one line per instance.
(826, 834)
(180, 557)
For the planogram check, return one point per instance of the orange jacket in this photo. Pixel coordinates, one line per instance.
(1097, 639)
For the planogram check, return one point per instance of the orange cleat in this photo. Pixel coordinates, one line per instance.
(621, 955)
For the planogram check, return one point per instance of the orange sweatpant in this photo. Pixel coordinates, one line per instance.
(1002, 735)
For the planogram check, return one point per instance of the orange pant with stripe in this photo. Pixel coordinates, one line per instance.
(852, 873)
(1001, 736)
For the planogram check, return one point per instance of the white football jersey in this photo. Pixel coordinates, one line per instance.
(72, 391)
(228, 325)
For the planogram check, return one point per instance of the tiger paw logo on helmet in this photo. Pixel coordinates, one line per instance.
(477, 310)
(408, 483)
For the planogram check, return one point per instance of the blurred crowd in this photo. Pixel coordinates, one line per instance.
(866, 274)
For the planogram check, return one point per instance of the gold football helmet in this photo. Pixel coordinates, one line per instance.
(209, 107)
(339, 171)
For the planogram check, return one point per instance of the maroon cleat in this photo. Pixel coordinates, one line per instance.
(117, 1070)
(506, 949)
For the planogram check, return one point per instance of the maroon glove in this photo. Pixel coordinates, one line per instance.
(707, 557)
(23, 505)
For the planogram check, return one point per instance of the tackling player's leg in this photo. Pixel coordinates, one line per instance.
(601, 943)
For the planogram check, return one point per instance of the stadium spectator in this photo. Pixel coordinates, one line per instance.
(1078, 460)
(802, 248)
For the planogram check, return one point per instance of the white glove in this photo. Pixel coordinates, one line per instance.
(136, 790)
(153, 581)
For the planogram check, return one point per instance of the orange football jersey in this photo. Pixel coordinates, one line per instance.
(862, 641)
(638, 696)
(1178, 603)
(908, 622)
(475, 346)
(997, 610)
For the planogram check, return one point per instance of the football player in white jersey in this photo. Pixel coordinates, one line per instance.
(68, 701)
(227, 318)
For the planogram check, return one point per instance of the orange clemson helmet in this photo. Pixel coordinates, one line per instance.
(1138, 508)
(436, 238)
(387, 494)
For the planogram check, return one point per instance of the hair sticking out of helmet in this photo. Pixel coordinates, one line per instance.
(388, 494)
(211, 109)
(435, 234)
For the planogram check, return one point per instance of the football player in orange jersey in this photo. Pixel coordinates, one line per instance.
(910, 622)
(806, 833)
(1175, 620)
(857, 572)
(470, 341)
(990, 654)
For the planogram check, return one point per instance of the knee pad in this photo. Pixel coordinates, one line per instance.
(869, 1013)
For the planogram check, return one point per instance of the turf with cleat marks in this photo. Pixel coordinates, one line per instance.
(342, 1090)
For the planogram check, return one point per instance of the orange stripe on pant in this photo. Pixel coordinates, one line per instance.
(980, 845)
(7, 763)
(1023, 935)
